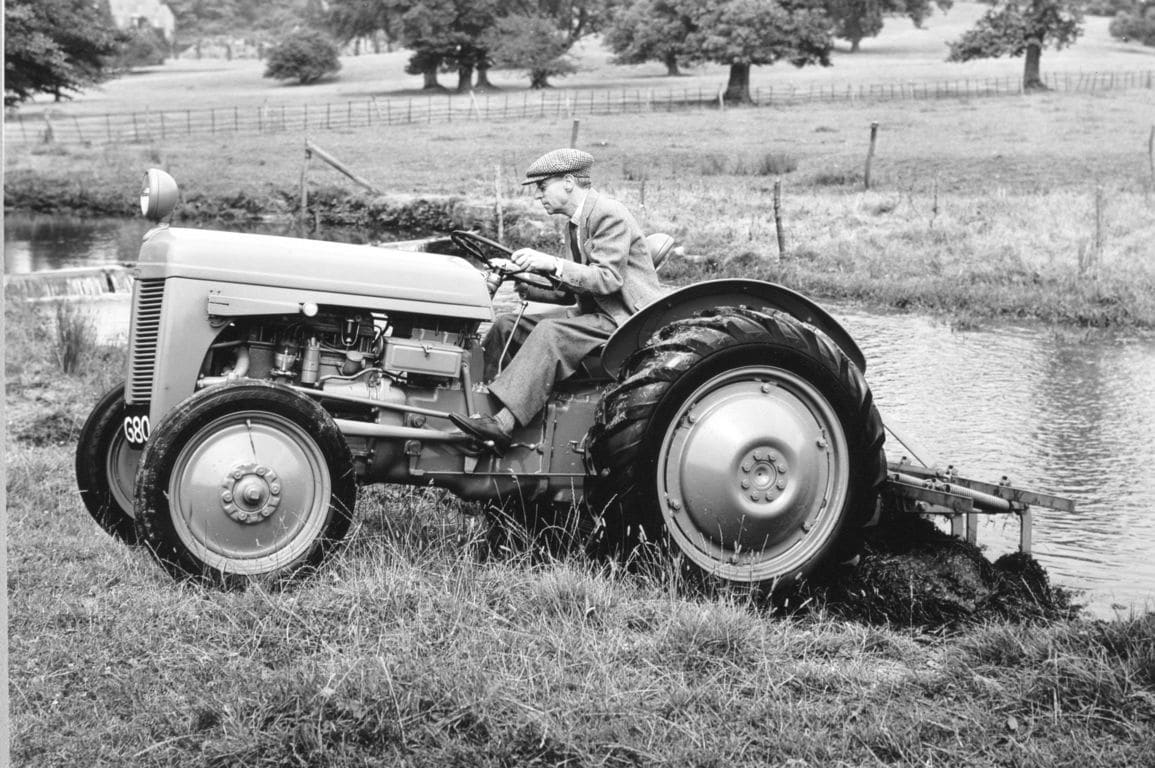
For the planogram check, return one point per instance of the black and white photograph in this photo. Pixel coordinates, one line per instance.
(579, 383)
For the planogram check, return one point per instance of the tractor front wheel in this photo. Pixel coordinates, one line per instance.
(747, 442)
(244, 481)
(106, 465)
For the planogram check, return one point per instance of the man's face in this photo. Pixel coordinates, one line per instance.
(554, 193)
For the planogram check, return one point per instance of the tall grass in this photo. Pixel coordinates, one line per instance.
(74, 335)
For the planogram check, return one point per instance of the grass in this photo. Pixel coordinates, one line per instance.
(978, 210)
(414, 646)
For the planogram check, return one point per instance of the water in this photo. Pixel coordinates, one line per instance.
(1058, 411)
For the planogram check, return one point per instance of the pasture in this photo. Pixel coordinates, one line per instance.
(414, 647)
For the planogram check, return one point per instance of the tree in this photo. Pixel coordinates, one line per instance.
(305, 56)
(855, 20)
(536, 35)
(650, 30)
(1018, 27)
(1139, 24)
(54, 46)
(532, 43)
(746, 33)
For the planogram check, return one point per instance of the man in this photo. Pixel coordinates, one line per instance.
(607, 267)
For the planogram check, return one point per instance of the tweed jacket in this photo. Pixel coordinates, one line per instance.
(618, 272)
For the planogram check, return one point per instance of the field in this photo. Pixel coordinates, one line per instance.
(1039, 207)
(415, 647)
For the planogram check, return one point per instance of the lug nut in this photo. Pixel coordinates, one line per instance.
(675, 504)
(747, 466)
(755, 496)
(821, 443)
(781, 485)
(745, 483)
(226, 497)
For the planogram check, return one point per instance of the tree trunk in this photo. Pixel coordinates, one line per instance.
(854, 41)
(464, 77)
(738, 89)
(538, 79)
(483, 83)
(430, 76)
(671, 62)
(1032, 80)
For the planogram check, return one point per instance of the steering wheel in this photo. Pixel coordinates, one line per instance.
(482, 249)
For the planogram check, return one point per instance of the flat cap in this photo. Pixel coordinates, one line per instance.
(559, 162)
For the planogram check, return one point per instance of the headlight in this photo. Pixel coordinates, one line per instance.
(159, 195)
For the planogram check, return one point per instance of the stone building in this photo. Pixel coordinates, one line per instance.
(127, 14)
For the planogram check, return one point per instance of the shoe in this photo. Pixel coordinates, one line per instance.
(484, 428)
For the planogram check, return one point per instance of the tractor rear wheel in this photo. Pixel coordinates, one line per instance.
(106, 466)
(745, 441)
(244, 481)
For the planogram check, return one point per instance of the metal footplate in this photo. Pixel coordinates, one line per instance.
(944, 492)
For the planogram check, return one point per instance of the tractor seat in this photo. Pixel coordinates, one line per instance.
(660, 245)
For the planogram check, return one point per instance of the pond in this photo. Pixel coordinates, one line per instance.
(1060, 411)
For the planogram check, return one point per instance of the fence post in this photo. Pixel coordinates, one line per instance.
(781, 234)
(162, 124)
(573, 136)
(213, 121)
(304, 210)
(236, 120)
(79, 133)
(135, 131)
(497, 202)
(188, 121)
(870, 154)
(1151, 154)
(107, 125)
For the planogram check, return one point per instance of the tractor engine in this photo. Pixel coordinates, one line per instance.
(357, 364)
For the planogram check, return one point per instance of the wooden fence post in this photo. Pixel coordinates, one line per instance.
(497, 203)
(573, 136)
(870, 154)
(778, 219)
(1151, 154)
(304, 209)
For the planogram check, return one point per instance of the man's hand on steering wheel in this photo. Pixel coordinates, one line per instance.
(531, 260)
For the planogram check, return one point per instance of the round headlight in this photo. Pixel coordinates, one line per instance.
(158, 196)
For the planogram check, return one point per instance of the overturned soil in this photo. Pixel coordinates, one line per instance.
(912, 574)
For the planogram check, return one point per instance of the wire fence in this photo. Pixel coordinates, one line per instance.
(150, 126)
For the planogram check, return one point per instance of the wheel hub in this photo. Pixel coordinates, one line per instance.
(762, 474)
(752, 471)
(250, 493)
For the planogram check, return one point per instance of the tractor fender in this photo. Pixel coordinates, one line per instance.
(688, 301)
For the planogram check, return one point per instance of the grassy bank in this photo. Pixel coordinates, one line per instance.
(1035, 207)
(412, 648)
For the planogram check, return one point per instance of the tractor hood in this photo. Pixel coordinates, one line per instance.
(318, 266)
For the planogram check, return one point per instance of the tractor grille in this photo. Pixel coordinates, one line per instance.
(145, 332)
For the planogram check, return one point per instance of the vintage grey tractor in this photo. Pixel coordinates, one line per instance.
(269, 376)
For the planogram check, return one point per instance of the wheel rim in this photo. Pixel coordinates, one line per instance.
(249, 493)
(753, 474)
(120, 465)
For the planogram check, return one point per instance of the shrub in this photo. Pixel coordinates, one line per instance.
(1139, 27)
(75, 336)
(774, 164)
(305, 56)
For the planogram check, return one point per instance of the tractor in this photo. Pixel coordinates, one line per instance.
(268, 377)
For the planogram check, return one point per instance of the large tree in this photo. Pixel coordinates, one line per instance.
(748, 33)
(651, 30)
(536, 35)
(1018, 27)
(855, 20)
(54, 46)
(534, 44)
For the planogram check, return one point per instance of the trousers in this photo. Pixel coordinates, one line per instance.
(549, 346)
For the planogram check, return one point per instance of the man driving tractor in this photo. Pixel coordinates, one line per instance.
(606, 266)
